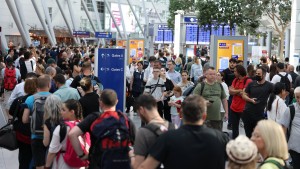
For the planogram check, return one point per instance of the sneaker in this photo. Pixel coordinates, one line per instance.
(229, 127)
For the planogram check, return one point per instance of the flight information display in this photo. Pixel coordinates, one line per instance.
(164, 36)
(203, 35)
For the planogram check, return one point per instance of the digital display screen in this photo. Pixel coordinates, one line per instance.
(164, 36)
(203, 35)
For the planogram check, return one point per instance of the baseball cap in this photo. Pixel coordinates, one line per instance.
(241, 150)
(50, 61)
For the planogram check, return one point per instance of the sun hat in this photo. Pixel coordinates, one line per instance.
(241, 150)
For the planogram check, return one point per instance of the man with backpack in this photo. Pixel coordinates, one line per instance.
(291, 120)
(34, 107)
(11, 76)
(86, 72)
(285, 78)
(214, 93)
(111, 135)
(193, 145)
(146, 136)
(27, 64)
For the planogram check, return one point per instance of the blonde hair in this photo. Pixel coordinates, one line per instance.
(233, 165)
(178, 60)
(274, 138)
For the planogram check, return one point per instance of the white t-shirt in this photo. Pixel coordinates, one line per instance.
(157, 92)
(226, 90)
(173, 108)
(277, 115)
(294, 140)
(30, 65)
(277, 78)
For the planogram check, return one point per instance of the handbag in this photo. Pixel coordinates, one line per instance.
(8, 138)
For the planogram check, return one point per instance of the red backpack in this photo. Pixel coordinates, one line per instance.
(10, 80)
(69, 155)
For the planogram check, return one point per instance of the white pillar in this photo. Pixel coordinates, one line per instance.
(42, 20)
(3, 43)
(295, 33)
(136, 18)
(122, 18)
(73, 19)
(17, 21)
(88, 15)
(22, 19)
(113, 18)
(177, 33)
(49, 22)
(287, 43)
(66, 20)
(269, 43)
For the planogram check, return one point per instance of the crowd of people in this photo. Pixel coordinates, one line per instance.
(63, 119)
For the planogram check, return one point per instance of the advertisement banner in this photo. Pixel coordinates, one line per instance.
(128, 17)
(228, 49)
(136, 49)
(121, 44)
(110, 68)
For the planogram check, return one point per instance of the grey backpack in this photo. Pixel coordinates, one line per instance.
(37, 118)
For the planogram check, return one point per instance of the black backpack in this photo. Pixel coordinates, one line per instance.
(285, 80)
(292, 114)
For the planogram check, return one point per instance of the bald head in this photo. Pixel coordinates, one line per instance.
(291, 68)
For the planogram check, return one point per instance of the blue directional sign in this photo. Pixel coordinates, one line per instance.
(190, 19)
(110, 65)
(81, 33)
(105, 35)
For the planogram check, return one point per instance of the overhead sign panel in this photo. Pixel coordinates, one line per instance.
(105, 35)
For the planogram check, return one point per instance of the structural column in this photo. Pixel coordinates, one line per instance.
(66, 20)
(42, 20)
(22, 19)
(48, 19)
(122, 19)
(17, 21)
(269, 43)
(113, 18)
(287, 43)
(295, 33)
(136, 18)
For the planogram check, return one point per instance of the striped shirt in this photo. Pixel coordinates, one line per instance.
(157, 91)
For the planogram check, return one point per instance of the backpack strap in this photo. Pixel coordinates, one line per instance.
(276, 163)
(155, 129)
(31, 65)
(62, 131)
(292, 113)
(202, 87)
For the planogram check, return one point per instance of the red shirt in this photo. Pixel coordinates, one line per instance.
(238, 103)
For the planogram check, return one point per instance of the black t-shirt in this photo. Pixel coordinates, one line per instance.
(75, 83)
(228, 76)
(261, 92)
(89, 103)
(191, 147)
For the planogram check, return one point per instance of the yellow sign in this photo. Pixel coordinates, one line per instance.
(228, 49)
(136, 49)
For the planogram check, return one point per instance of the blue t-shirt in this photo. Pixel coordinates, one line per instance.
(29, 101)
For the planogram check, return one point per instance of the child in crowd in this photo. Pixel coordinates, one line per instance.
(72, 114)
(175, 103)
